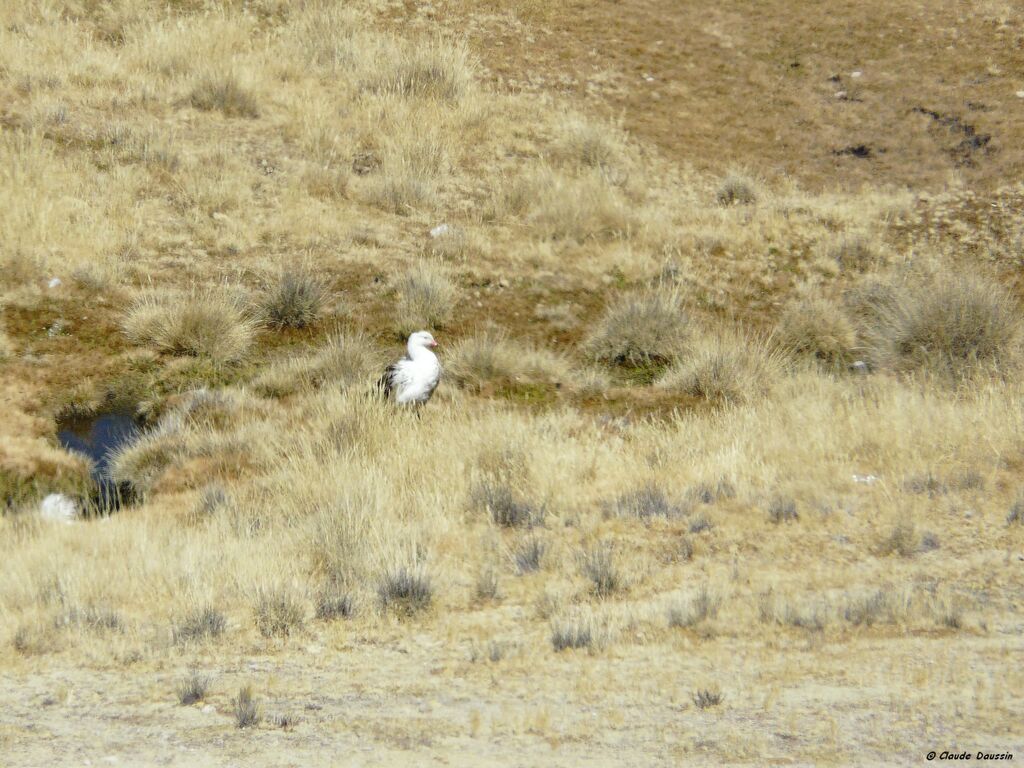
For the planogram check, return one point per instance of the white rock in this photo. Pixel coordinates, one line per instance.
(58, 508)
(1020, 94)
(207, 709)
(440, 229)
(865, 479)
(55, 282)
(860, 367)
(856, 73)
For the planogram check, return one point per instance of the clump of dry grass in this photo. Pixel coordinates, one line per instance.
(853, 251)
(691, 611)
(725, 367)
(503, 505)
(426, 298)
(646, 501)
(405, 589)
(192, 688)
(492, 359)
(577, 208)
(432, 69)
(225, 93)
(278, 612)
(599, 565)
(247, 709)
(333, 604)
(529, 553)
(705, 698)
(737, 189)
(346, 359)
(296, 300)
(205, 623)
(951, 326)
(903, 540)
(641, 330)
(818, 330)
(1016, 513)
(326, 181)
(586, 144)
(207, 323)
(580, 629)
(782, 509)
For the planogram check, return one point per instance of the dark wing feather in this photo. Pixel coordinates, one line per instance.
(386, 384)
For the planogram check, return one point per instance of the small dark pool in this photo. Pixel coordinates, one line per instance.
(98, 436)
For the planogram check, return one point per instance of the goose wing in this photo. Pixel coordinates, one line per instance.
(396, 378)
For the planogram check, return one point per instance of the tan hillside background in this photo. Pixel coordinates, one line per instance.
(725, 466)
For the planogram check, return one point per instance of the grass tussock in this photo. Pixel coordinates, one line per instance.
(725, 368)
(818, 330)
(333, 604)
(247, 709)
(581, 208)
(641, 330)
(225, 93)
(279, 612)
(432, 69)
(738, 188)
(951, 326)
(192, 688)
(600, 566)
(529, 553)
(212, 324)
(579, 630)
(644, 502)
(490, 359)
(504, 506)
(296, 300)
(345, 359)
(426, 298)
(688, 612)
(206, 623)
(407, 590)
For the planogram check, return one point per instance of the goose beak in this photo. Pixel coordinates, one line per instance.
(433, 344)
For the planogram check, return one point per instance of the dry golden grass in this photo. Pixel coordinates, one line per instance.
(622, 530)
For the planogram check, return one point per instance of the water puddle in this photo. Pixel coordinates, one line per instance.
(98, 437)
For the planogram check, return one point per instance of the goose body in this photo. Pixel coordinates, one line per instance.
(413, 379)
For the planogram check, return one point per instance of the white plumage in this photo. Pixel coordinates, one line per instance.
(413, 379)
(58, 508)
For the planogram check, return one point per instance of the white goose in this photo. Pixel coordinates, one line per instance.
(414, 378)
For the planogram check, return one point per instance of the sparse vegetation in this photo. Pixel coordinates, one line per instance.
(579, 630)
